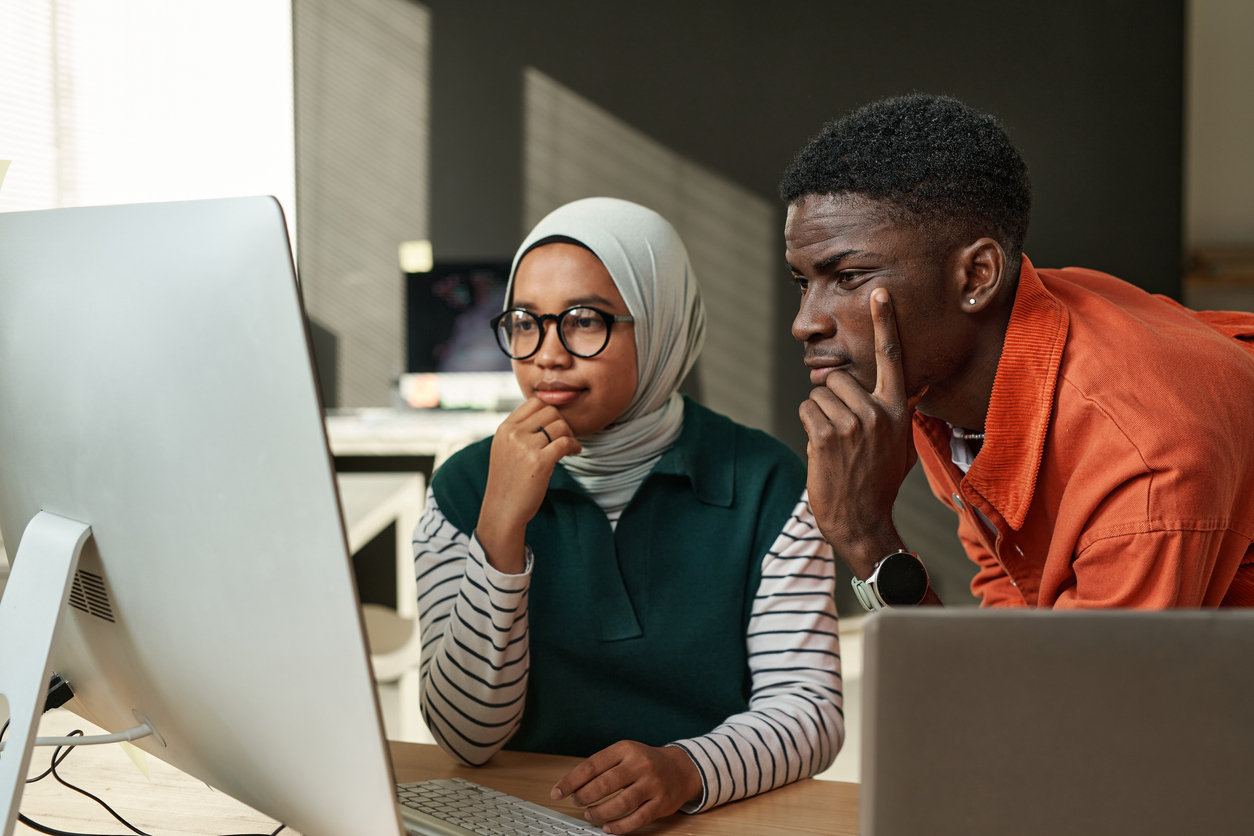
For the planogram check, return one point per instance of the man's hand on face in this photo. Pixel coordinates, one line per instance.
(861, 446)
(650, 782)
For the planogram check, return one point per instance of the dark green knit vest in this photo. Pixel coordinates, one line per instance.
(639, 633)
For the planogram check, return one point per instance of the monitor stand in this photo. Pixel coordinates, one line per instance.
(38, 587)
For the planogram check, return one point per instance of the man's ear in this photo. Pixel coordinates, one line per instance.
(980, 271)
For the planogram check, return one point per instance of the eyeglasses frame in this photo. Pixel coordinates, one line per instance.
(608, 318)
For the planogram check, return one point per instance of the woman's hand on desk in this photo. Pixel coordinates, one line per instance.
(525, 449)
(646, 782)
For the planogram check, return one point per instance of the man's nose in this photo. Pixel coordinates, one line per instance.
(812, 320)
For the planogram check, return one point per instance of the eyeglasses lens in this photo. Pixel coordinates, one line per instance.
(518, 333)
(583, 332)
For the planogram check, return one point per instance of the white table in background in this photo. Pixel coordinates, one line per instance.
(413, 432)
(371, 502)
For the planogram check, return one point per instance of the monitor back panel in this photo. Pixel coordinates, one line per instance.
(155, 383)
(1029, 723)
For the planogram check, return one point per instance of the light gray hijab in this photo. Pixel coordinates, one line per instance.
(649, 265)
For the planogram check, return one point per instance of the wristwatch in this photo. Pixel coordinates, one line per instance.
(899, 580)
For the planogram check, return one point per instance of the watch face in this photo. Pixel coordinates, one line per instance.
(902, 580)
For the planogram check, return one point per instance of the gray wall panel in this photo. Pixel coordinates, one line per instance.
(574, 149)
(362, 102)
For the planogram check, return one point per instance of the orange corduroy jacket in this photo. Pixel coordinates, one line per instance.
(1117, 468)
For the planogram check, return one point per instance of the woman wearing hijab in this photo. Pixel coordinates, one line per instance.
(620, 573)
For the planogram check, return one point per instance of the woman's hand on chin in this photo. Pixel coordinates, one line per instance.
(525, 449)
(646, 782)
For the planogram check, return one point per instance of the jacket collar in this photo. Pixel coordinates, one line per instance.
(1005, 471)
(704, 453)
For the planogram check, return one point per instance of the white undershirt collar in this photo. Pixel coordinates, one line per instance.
(960, 450)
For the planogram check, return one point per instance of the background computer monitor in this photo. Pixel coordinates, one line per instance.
(155, 383)
(449, 310)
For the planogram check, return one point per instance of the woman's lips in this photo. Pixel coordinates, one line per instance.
(557, 394)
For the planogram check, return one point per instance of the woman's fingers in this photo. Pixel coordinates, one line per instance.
(629, 784)
(531, 416)
(562, 446)
(525, 449)
(616, 812)
(587, 771)
(525, 411)
(554, 430)
(543, 415)
(639, 817)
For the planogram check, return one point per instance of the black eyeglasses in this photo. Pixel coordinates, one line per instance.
(584, 331)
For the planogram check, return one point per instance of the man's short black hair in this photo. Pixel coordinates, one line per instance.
(930, 161)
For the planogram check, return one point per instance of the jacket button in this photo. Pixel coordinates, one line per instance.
(958, 502)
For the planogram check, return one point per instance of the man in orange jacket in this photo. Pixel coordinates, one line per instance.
(1095, 441)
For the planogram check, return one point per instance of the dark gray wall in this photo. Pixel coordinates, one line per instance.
(1090, 90)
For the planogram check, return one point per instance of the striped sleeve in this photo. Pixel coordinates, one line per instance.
(795, 723)
(475, 656)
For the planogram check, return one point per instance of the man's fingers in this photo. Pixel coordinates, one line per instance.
(824, 414)
(890, 381)
(839, 396)
(846, 389)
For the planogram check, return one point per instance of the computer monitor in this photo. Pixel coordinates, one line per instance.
(448, 311)
(156, 386)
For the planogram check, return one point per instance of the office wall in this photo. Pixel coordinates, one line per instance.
(1090, 90)
(1219, 154)
(361, 93)
(574, 149)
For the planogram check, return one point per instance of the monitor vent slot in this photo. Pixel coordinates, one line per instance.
(89, 595)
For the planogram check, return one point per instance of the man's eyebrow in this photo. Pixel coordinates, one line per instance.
(837, 258)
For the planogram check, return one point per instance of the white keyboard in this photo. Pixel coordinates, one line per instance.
(457, 807)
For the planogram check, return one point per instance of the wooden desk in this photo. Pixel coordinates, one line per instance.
(173, 803)
(169, 803)
(806, 807)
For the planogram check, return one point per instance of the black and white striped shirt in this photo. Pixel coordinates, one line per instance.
(475, 660)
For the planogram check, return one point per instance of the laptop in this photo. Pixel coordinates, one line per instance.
(1025, 723)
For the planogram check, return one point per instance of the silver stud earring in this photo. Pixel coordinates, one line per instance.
(971, 301)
